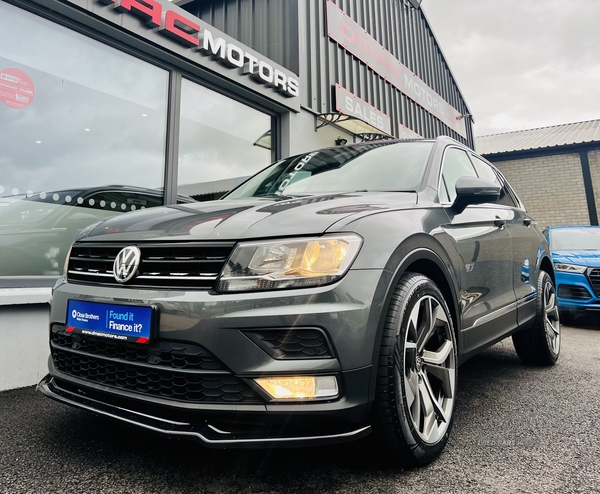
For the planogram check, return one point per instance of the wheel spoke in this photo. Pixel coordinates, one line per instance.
(439, 357)
(427, 323)
(446, 377)
(415, 409)
(411, 384)
(436, 407)
(425, 398)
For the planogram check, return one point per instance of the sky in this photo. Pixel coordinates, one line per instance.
(522, 64)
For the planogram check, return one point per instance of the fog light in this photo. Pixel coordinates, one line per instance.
(299, 387)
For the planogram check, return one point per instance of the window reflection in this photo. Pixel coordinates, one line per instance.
(75, 117)
(222, 142)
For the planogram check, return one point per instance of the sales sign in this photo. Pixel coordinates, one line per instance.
(350, 104)
(352, 37)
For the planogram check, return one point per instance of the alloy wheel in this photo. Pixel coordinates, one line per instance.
(428, 371)
(551, 317)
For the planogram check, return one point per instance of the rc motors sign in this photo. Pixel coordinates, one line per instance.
(352, 37)
(167, 25)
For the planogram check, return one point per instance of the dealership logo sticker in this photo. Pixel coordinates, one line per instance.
(16, 88)
(126, 263)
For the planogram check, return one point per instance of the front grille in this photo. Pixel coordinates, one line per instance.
(164, 354)
(292, 344)
(594, 275)
(177, 371)
(573, 292)
(182, 265)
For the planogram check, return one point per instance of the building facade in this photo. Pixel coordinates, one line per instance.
(110, 106)
(554, 170)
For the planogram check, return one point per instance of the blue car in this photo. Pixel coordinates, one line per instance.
(576, 257)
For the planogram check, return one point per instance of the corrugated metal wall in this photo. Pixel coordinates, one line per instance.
(402, 30)
(302, 45)
(268, 26)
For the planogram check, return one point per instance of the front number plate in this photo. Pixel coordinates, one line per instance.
(111, 321)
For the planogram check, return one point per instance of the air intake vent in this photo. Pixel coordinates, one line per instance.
(188, 266)
(179, 371)
(573, 292)
(594, 275)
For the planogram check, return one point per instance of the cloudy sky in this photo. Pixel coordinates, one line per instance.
(522, 64)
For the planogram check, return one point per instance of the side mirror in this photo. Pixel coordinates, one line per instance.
(473, 190)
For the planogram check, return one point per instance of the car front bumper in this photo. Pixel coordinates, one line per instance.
(347, 312)
(575, 293)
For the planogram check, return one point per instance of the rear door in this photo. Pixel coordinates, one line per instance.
(526, 241)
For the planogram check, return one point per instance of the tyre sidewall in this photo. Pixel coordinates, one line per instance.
(423, 452)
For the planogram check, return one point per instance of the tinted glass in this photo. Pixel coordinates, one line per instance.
(222, 142)
(366, 167)
(78, 121)
(486, 172)
(575, 239)
(456, 165)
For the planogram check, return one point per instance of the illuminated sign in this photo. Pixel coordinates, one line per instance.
(184, 34)
(351, 36)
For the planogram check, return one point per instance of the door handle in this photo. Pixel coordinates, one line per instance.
(499, 222)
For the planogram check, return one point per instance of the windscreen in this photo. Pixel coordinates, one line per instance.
(575, 239)
(380, 166)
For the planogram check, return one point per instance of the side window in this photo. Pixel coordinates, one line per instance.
(486, 172)
(456, 164)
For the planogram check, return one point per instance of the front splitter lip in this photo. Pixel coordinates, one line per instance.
(210, 436)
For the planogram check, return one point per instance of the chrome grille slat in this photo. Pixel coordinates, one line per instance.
(182, 265)
(594, 276)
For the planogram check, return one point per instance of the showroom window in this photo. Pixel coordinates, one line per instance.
(82, 134)
(222, 142)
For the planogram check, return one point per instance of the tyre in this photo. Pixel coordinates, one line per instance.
(539, 344)
(416, 375)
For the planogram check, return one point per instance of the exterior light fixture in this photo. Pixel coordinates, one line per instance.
(340, 141)
(299, 387)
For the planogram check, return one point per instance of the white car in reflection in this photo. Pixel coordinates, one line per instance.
(37, 230)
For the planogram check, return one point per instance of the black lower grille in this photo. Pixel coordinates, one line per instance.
(594, 276)
(292, 344)
(165, 354)
(573, 292)
(177, 371)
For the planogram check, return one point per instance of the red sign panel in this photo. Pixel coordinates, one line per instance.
(350, 35)
(350, 104)
(16, 88)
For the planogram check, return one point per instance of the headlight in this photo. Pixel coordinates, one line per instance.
(288, 263)
(569, 268)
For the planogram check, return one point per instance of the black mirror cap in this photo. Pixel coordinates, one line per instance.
(473, 190)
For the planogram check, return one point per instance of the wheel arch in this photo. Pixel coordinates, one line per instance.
(546, 265)
(424, 255)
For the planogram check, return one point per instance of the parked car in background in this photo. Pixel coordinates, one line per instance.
(37, 230)
(331, 296)
(576, 257)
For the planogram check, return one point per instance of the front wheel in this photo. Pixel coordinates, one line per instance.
(416, 375)
(540, 343)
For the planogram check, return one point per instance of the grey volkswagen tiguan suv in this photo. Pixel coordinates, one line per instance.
(330, 296)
